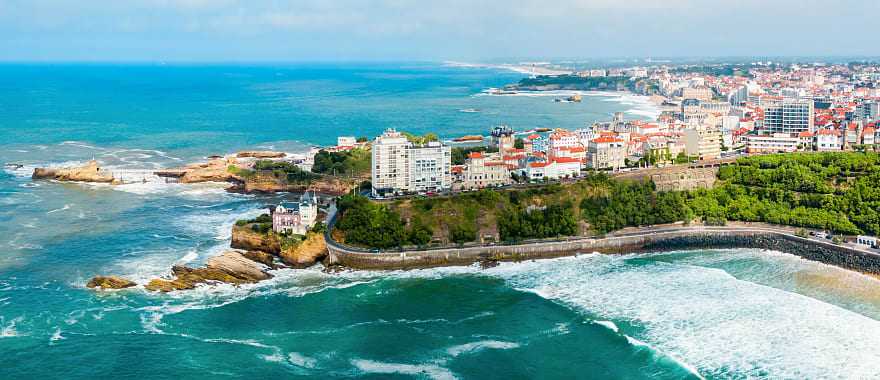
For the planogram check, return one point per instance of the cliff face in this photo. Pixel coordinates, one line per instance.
(326, 185)
(298, 255)
(306, 253)
(215, 170)
(243, 237)
(90, 172)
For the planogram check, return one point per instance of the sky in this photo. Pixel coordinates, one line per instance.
(386, 30)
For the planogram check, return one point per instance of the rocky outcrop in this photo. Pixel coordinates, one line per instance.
(325, 185)
(306, 253)
(230, 267)
(243, 237)
(109, 282)
(90, 172)
(215, 170)
(298, 255)
(260, 154)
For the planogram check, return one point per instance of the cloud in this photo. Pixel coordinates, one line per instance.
(300, 29)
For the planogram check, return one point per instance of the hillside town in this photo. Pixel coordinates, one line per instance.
(770, 108)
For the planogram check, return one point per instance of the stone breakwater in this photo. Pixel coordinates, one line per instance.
(648, 241)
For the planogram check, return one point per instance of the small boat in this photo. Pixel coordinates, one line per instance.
(11, 166)
(469, 110)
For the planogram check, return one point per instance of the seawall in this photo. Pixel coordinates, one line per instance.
(647, 241)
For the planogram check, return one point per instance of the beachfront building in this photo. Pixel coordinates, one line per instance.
(399, 167)
(606, 152)
(554, 169)
(295, 217)
(482, 170)
(389, 171)
(430, 167)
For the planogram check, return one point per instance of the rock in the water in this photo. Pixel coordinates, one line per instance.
(90, 172)
(109, 282)
(238, 266)
(488, 263)
(230, 267)
(260, 154)
(261, 257)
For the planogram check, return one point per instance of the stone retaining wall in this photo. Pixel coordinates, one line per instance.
(685, 238)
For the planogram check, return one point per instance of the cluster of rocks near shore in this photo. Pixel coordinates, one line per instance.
(215, 169)
(255, 256)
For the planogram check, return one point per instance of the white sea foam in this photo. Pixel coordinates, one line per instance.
(56, 336)
(474, 347)
(301, 360)
(722, 326)
(608, 324)
(66, 207)
(432, 371)
(8, 330)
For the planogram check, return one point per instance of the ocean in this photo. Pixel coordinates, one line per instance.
(717, 314)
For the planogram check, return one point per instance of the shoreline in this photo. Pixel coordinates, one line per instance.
(643, 241)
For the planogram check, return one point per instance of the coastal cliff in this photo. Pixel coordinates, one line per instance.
(90, 172)
(264, 184)
(293, 252)
(215, 170)
(307, 252)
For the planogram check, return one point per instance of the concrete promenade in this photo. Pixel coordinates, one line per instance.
(646, 239)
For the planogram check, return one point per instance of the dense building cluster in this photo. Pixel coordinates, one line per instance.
(705, 114)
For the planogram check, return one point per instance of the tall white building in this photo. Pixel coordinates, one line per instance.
(429, 168)
(399, 167)
(789, 115)
(390, 163)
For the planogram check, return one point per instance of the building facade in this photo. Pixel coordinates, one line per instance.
(296, 217)
(399, 167)
(789, 115)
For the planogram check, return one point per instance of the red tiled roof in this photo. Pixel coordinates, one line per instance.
(606, 139)
(566, 160)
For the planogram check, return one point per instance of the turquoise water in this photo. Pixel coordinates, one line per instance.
(675, 315)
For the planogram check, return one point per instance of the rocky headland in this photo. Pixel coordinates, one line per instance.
(215, 170)
(255, 255)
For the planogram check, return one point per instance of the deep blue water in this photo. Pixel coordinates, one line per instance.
(715, 314)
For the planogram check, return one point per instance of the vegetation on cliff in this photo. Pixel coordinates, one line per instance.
(575, 82)
(352, 163)
(838, 192)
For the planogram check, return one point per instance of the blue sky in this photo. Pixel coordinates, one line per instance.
(307, 30)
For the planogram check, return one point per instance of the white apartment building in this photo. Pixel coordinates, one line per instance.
(398, 166)
(775, 143)
(703, 142)
(828, 140)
